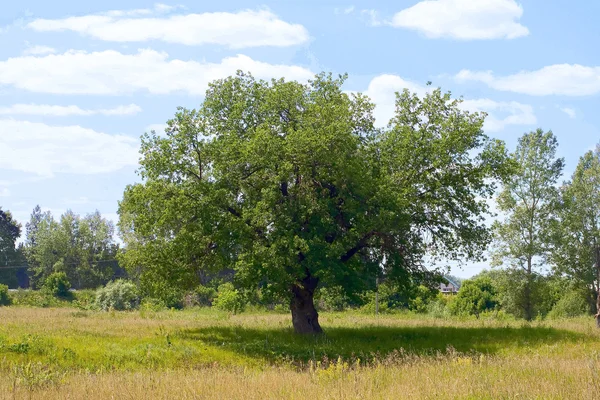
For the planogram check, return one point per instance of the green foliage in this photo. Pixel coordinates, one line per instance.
(4, 297)
(293, 186)
(229, 299)
(168, 294)
(82, 248)
(332, 299)
(530, 201)
(10, 256)
(438, 307)
(474, 297)
(576, 235)
(572, 304)
(206, 295)
(117, 295)
(420, 299)
(57, 284)
(511, 284)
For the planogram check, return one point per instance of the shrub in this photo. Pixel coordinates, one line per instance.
(34, 298)
(58, 285)
(229, 299)
(370, 300)
(152, 304)
(206, 295)
(439, 306)
(474, 297)
(4, 298)
(332, 299)
(572, 304)
(421, 298)
(117, 295)
(170, 295)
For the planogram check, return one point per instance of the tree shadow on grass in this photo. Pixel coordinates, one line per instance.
(368, 343)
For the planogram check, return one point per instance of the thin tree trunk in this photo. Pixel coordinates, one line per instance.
(527, 294)
(597, 316)
(305, 318)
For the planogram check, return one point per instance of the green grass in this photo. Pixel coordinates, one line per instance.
(97, 341)
(66, 352)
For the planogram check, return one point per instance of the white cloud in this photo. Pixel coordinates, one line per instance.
(110, 72)
(346, 11)
(158, 9)
(558, 79)
(382, 91)
(463, 19)
(243, 29)
(511, 113)
(569, 111)
(44, 150)
(372, 17)
(4, 192)
(63, 111)
(38, 50)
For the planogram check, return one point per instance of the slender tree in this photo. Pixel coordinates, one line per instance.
(577, 232)
(528, 200)
(293, 186)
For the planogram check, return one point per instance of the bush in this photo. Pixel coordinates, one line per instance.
(572, 304)
(152, 304)
(421, 298)
(34, 298)
(369, 299)
(4, 299)
(332, 299)
(438, 307)
(84, 299)
(206, 295)
(117, 295)
(229, 299)
(58, 285)
(474, 297)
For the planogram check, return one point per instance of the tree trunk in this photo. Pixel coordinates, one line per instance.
(304, 315)
(597, 265)
(528, 283)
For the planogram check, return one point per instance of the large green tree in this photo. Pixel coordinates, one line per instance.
(576, 253)
(528, 201)
(293, 186)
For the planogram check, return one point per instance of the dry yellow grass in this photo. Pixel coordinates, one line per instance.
(238, 357)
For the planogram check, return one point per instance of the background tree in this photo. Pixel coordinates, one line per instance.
(293, 186)
(576, 251)
(529, 200)
(10, 231)
(82, 248)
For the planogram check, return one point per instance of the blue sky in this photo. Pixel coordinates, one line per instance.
(81, 81)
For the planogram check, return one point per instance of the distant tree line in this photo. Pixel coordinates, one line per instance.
(83, 248)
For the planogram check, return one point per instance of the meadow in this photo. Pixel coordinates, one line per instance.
(50, 353)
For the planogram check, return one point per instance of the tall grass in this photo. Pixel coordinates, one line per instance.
(69, 353)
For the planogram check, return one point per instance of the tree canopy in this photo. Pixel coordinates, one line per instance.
(529, 200)
(10, 230)
(81, 247)
(294, 187)
(576, 251)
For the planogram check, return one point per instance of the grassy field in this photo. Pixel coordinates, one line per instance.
(197, 354)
